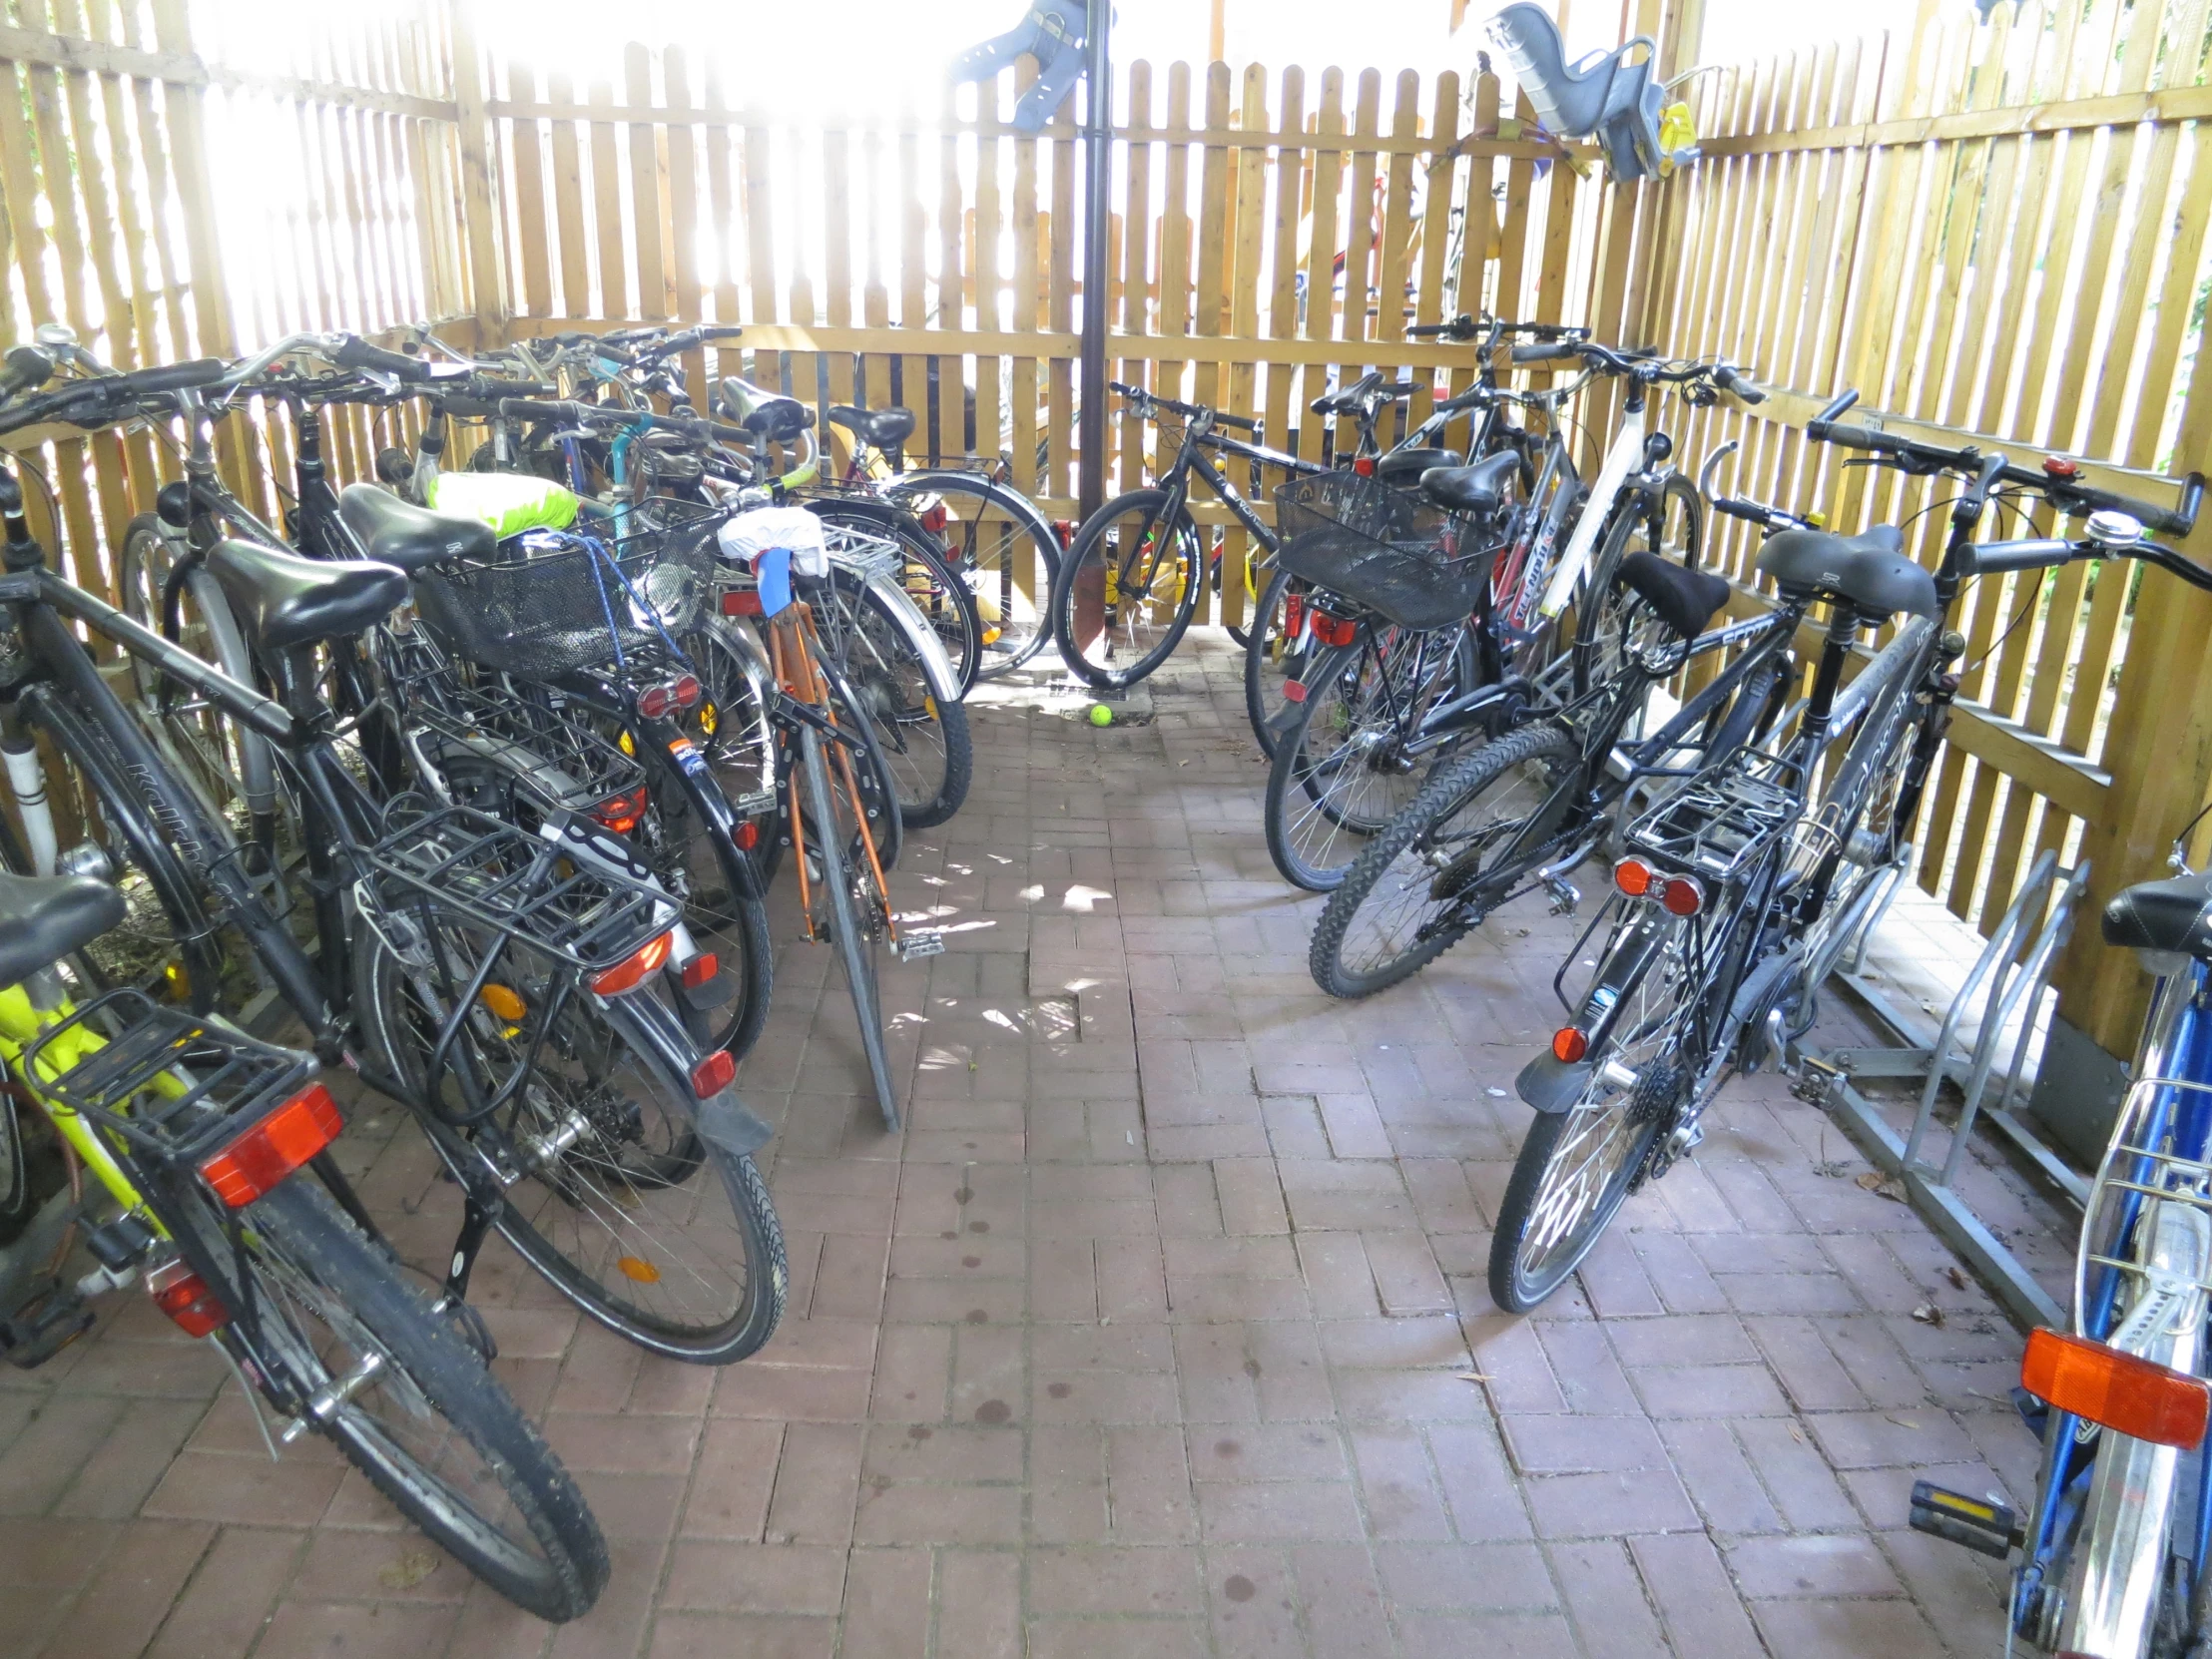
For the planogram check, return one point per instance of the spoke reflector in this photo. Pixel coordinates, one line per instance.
(638, 1269)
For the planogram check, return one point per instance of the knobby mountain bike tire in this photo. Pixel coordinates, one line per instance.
(992, 558)
(853, 935)
(311, 1263)
(1385, 921)
(642, 1198)
(1145, 573)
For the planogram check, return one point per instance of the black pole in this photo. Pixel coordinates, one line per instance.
(1098, 153)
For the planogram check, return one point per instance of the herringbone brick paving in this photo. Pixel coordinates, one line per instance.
(1161, 1331)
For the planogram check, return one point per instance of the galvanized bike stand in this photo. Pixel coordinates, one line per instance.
(2011, 974)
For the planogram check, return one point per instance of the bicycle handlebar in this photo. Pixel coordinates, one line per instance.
(100, 401)
(585, 414)
(2054, 480)
(354, 353)
(1146, 402)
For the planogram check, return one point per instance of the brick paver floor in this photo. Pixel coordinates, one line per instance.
(1161, 1331)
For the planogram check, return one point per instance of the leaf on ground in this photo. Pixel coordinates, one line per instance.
(1928, 1314)
(408, 1571)
(1883, 1185)
(1958, 1279)
(1475, 1377)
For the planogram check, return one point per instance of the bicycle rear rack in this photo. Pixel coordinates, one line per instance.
(1717, 826)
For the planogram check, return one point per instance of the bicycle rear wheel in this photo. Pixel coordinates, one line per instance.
(1271, 660)
(1128, 590)
(664, 1237)
(925, 738)
(432, 1429)
(1003, 548)
(939, 592)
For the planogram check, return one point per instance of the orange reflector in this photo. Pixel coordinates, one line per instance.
(1682, 895)
(184, 1296)
(2137, 1397)
(298, 1129)
(503, 1002)
(711, 1075)
(1568, 1044)
(1633, 876)
(638, 1269)
(630, 973)
(746, 836)
(741, 602)
(1293, 691)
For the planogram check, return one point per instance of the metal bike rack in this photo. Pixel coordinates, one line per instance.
(2009, 978)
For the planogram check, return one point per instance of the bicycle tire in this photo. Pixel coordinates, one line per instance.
(1449, 793)
(1601, 612)
(924, 739)
(1089, 553)
(886, 823)
(1338, 779)
(1267, 670)
(938, 591)
(298, 1222)
(687, 1163)
(858, 957)
(1651, 1001)
(1012, 632)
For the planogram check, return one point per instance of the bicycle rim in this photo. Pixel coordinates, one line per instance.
(1008, 565)
(1144, 577)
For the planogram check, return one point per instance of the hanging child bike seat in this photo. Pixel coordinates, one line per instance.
(1603, 93)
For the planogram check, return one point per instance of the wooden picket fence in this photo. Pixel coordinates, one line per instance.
(1994, 228)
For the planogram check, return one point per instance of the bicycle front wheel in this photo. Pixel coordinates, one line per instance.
(432, 1429)
(1275, 654)
(925, 738)
(858, 908)
(1128, 589)
(938, 592)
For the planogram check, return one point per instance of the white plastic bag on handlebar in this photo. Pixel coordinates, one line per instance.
(746, 537)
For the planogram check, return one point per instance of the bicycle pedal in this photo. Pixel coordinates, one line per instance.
(1986, 1527)
(45, 1322)
(915, 944)
(1567, 899)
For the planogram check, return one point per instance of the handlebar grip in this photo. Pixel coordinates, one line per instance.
(496, 390)
(1125, 391)
(1237, 421)
(200, 371)
(25, 366)
(1851, 437)
(356, 352)
(720, 330)
(1545, 352)
(1820, 427)
(1731, 379)
(1994, 558)
(1745, 510)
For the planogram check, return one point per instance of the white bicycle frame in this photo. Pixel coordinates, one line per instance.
(1623, 458)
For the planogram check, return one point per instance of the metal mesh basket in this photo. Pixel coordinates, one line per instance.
(573, 765)
(1381, 548)
(215, 1080)
(555, 604)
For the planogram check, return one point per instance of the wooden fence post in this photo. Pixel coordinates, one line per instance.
(211, 295)
(479, 199)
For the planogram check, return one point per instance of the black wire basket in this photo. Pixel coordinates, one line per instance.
(571, 763)
(554, 604)
(214, 1080)
(1386, 550)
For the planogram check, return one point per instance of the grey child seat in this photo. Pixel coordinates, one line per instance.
(1603, 93)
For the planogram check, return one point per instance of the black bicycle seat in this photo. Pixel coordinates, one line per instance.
(44, 917)
(881, 428)
(1471, 489)
(778, 419)
(397, 532)
(1346, 400)
(1685, 599)
(1869, 571)
(1403, 467)
(287, 601)
(2171, 916)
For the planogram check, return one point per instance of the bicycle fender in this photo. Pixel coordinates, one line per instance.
(944, 680)
(1550, 1084)
(704, 794)
(721, 1117)
(727, 1123)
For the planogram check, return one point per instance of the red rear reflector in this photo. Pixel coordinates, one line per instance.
(1633, 876)
(747, 836)
(935, 519)
(298, 1129)
(700, 969)
(1294, 614)
(711, 1075)
(656, 701)
(2137, 1397)
(1364, 466)
(1293, 691)
(1335, 630)
(619, 812)
(630, 973)
(184, 1296)
(742, 602)
(1568, 1044)
(688, 690)
(1682, 896)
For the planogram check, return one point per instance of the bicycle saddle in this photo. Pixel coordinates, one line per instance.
(44, 917)
(397, 532)
(1471, 490)
(1869, 571)
(286, 601)
(1685, 599)
(881, 428)
(1403, 467)
(1349, 400)
(2171, 916)
(766, 415)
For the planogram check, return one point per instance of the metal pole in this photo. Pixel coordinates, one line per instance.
(1098, 143)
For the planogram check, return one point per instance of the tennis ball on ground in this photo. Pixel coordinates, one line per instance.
(1101, 715)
